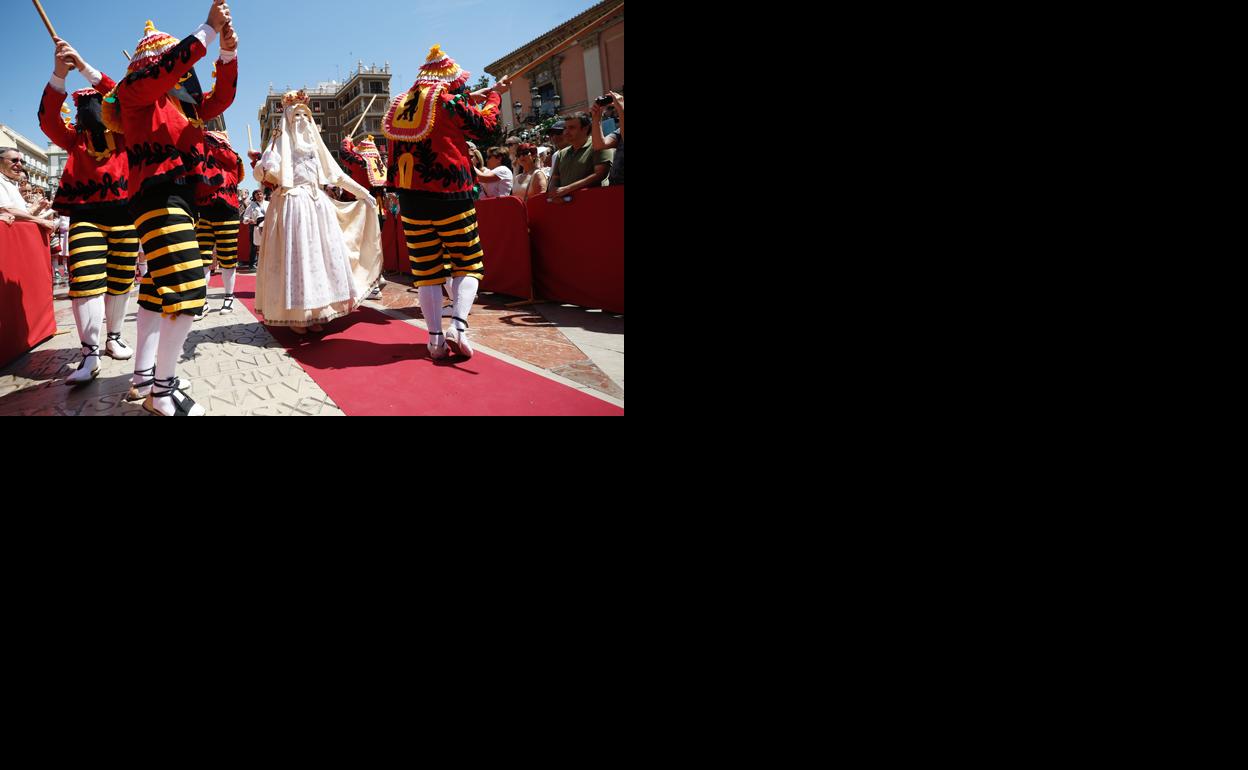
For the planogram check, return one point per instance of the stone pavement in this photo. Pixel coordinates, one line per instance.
(234, 367)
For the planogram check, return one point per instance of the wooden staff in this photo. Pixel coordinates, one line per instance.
(567, 43)
(250, 148)
(44, 16)
(361, 120)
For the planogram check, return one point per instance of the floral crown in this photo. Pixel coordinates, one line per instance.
(295, 97)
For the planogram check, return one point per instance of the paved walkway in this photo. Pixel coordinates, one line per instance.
(233, 366)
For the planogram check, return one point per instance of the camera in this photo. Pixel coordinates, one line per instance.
(605, 101)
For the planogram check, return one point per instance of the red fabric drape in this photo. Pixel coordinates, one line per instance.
(26, 315)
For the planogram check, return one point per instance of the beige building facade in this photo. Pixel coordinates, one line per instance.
(337, 106)
(34, 158)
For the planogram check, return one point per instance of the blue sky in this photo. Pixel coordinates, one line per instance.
(295, 42)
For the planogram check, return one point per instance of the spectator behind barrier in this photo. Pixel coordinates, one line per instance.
(578, 166)
(531, 181)
(36, 202)
(496, 178)
(13, 207)
(253, 217)
(512, 144)
(60, 251)
(556, 135)
(613, 140)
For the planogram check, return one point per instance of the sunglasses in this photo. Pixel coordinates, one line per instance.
(14, 161)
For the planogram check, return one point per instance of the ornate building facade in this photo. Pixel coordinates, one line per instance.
(577, 75)
(337, 106)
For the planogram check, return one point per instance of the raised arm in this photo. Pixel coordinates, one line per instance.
(600, 142)
(350, 158)
(50, 118)
(98, 80)
(148, 84)
(475, 123)
(226, 87)
(54, 96)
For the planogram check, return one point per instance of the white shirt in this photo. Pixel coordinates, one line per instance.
(497, 188)
(11, 196)
(521, 188)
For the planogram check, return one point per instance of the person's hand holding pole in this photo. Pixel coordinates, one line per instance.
(229, 38)
(62, 63)
(502, 86)
(218, 15)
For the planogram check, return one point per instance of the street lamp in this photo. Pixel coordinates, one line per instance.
(557, 100)
(537, 100)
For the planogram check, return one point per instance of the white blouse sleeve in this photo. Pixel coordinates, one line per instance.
(270, 165)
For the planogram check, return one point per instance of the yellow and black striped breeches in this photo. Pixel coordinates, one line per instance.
(102, 258)
(442, 240)
(219, 235)
(175, 277)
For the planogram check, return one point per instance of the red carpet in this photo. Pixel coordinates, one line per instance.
(372, 365)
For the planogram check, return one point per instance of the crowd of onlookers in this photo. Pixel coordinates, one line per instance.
(577, 155)
(20, 201)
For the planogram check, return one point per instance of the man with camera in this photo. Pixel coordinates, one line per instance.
(613, 140)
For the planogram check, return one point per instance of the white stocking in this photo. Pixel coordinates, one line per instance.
(115, 311)
(431, 305)
(145, 347)
(173, 334)
(465, 293)
(89, 318)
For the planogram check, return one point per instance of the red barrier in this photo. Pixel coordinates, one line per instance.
(26, 315)
(390, 235)
(244, 244)
(503, 225)
(578, 248)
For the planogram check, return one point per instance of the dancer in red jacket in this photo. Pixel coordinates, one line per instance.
(162, 111)
(93, 193)
(216, 197)
(428, 128)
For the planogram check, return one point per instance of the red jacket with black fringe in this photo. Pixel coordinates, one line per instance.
(91, 178)
(220, 173)
(438, 166)
(165, 143)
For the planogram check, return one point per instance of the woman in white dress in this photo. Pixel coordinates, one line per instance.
(320, 256)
